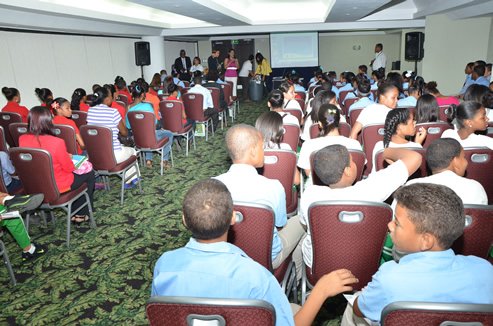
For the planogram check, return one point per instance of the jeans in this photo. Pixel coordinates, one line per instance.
(160, 134)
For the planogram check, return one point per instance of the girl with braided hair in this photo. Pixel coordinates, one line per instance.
(399, 127)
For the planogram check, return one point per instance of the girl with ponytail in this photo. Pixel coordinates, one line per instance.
(328, 122)
(14, 98)
(399, 126)
(469, 117)
(78, 103)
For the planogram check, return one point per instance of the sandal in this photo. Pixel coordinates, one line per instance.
(149, 163)
(79, 219)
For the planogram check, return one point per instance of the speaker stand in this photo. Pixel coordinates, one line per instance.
(142, 71)
(416, 67)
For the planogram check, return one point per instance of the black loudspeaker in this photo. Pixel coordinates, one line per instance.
(142, 54)
(414, 46)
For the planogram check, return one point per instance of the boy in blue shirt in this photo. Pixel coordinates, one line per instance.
(427, 220)
(209, 266)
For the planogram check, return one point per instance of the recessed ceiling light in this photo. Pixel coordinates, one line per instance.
(354, 8)
(348, 14)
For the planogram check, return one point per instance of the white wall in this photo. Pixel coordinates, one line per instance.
(336, 51)
(62, 63)
(489, 56)
(172, 51)
(205, 50)
(450, 45)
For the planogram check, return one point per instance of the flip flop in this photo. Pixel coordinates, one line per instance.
(79, 219)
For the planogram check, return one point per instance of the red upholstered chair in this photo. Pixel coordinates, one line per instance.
(123, 98)
(216, 96)
(67, 133)
(314, 131)
(311, 89)
(171, 113)
(353, 115)
(420, 173)
(3, 142)
(280, 165)
(344, 130)
(301, 94)
(443, 112)
(439, 314)
(434, 129)
(480, 168)
(342, 96)
(123, 104)
(6, 118)
(347, 234)
(80, 118)
(228, 97)
(184, 90)
(370, 135)
(43, 181)
(292, 135)
(253, 233)
(477, 239)
(194, 108)
(301, 102)
(99, 147)
(295, 112)
(6, 260)
(358, 157)
(347, 104)
(143, 126)
(17, 129)
(182, 311)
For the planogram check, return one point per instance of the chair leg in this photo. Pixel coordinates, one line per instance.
(123, 187)
(162, 159)
(187, 139)
(92, 221)
(6, 260)
(69, 215)
(303, 284)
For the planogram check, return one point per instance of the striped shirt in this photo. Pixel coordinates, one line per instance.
(104, 116)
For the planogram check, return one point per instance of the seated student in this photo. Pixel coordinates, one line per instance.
(78, 102)
(411, 100)
(376, 113)
(212, 77)
(321, 97)
(428, 218)
(8, 169)
(427, 109)
(442, 100)
(446, 160)
(298, 87)
(16, 226)
(208, 104)
(45, 96)
(481, 94)
(176, 79)
(114, 105)
(406, 78)
(289, 97)
(328, 121)
(337, 170)
(175, 95)
(478, 75)
(14, 98)
(63, 112)
(246, 148)
(399, 125)
(396, 79)
(151, 98)
(363, 91)
(347, 81)
(122, 89)
(470, 117)
(317, 75)
(377, 76)
(363, 69)
(275, 102)
(468, 81)
(208, 266)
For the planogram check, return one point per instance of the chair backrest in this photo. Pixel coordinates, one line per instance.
(67, 133)
(434, 129)
(43, 180)
(80, 118)
(122, 98)
(301, 94)
(477, 238)
(370, 135)
(215, 93)
(344, 130)
(301, 102)
(353, 115)
(183, 311)
(347, 104)
(480, 168)
(443, 112)
(311, 89)
(349, 234)
(143, 127)
(194, 106)
(420, 173)
(253, 231)
(295, 112)
(280, 165)
(342, 96)
(292, 135)
(440, 314)
(16, 130)
(171, 115)
(3, 142)
(184, 90)
(122, 104)
(6, 118)
(358, 157)
(228, 93)
(99, 146)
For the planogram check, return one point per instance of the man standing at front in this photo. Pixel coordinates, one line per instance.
(380, 60)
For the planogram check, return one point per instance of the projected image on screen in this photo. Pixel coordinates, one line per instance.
(294, 50)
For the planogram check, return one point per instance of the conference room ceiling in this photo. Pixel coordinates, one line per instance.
(207, 18)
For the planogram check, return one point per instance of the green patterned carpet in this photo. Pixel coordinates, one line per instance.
(105, 276)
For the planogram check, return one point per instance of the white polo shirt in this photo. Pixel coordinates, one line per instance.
(373, 114)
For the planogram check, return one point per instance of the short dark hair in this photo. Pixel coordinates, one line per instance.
(197, 80)
(240, 138)
(329, 163)
(363, 68)
(434, 209)
(479, 93)
(207, 209)
(172, 88)
(384, 87)
(441, 152)
(212, 75)
(479, 69)
(276, 99)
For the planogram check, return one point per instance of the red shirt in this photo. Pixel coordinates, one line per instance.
(14, 107)
(83, 107)
(127, 94)
(61, 120)
(174, 98)
(119, 108)
(449, 100)
(62, 163)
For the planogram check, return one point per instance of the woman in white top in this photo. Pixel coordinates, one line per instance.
(290, 102)
(328, 121)
(270, 126)
(275, 101)
(470, 117)
(196, 66)
(399, 126)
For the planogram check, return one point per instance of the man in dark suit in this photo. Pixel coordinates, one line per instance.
(183, 65)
